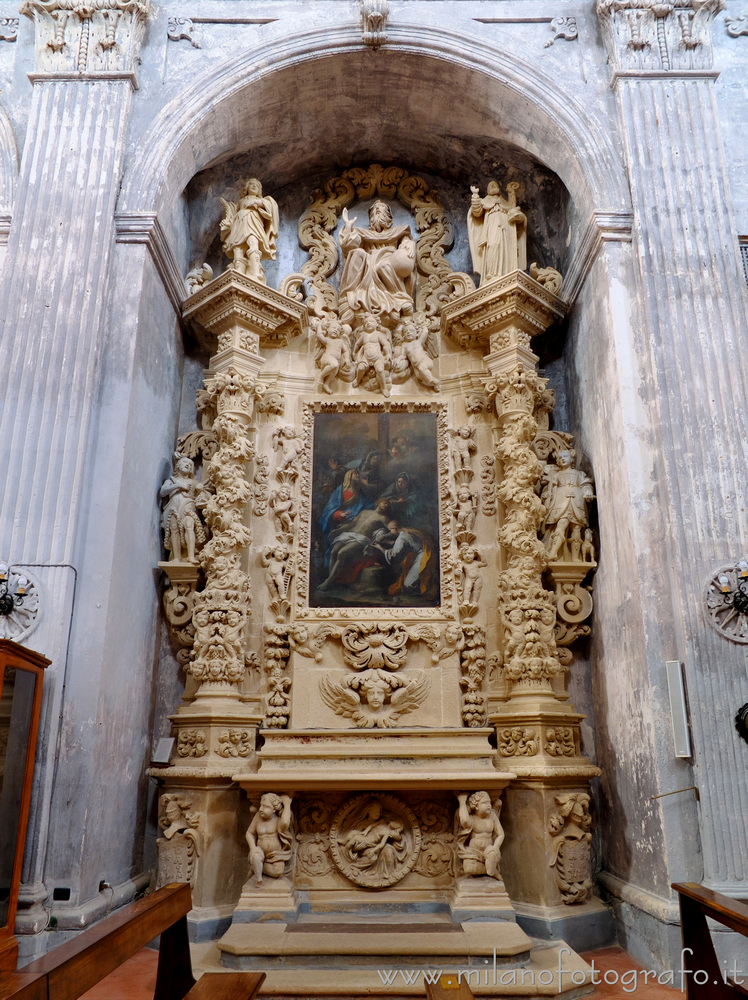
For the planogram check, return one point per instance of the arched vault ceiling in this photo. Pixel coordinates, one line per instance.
(426, 99)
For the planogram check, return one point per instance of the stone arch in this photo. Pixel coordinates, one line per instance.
(272, 91)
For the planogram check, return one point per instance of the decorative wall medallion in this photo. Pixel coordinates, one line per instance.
(375, 840)
(741, 722)
(726, 600)
(19, 603)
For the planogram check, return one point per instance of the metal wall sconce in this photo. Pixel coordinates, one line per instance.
(727, 601)
(12, 591)
(741, 722)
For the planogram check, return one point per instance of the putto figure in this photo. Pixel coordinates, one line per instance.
(378, 268)
(480, 835)
(249, 230)
(269, 837)
(497, 229)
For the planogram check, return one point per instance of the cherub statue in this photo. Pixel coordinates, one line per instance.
(249, 229)
(284, 508)
(463, 447)
(183, 529)
(414, 350)
(373, 350)
(472, 580)
(374, 698)
(464, 508)
(480, 836)
(497, 230)
(332, 336)
(269, 837)
(566, 493)
(291, 443)
(278, 565)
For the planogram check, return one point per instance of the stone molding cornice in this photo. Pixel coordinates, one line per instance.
(73, 77)
(144, 227)
(603, 227)
(659, 74)
(665, 910)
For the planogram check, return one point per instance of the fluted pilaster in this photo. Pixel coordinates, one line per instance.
(695, 304)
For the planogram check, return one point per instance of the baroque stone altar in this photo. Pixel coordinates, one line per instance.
(376, 579)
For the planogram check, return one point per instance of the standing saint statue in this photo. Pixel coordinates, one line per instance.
(498, 232)
(249, 229)
(378, 268)
(566, 492)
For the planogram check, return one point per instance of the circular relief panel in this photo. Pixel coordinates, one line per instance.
(727, 609)
(375, 839)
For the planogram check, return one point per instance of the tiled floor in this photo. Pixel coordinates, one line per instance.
(618, 974)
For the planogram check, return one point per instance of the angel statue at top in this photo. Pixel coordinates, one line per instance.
(249, 229)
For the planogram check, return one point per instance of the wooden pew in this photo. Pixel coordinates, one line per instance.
(73, 968)
(696, 904)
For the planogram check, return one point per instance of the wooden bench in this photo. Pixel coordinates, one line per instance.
(73, 968)
(696, 904)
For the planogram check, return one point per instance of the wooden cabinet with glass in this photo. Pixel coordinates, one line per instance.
(21, 674)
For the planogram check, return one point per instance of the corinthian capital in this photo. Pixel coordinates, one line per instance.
(652, 36)
(89, 37)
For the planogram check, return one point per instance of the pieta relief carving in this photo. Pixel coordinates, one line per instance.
(375, 840)
(374, 511)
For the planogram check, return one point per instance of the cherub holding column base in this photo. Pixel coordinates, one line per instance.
(269, 837)
(480, 835)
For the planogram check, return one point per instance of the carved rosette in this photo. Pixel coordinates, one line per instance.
(651, 36)
(87, 36)
(528, 611)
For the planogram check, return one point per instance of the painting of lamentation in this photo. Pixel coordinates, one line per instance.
(375, 515)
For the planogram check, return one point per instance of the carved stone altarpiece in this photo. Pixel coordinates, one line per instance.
(343, 581)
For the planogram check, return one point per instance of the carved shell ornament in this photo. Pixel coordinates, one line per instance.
(726, 601)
